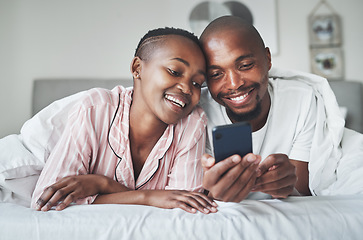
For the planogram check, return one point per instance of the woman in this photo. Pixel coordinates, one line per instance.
(140, 145)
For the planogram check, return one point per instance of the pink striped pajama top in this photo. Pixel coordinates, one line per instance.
(96, 141)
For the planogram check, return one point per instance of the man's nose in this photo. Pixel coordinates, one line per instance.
(234, 80)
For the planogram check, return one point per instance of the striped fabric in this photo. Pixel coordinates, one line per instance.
(95, 141)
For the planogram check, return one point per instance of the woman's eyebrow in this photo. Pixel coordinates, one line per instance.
(187, 64)
(181, 60)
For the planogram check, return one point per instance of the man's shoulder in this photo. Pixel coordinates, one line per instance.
(290, 86)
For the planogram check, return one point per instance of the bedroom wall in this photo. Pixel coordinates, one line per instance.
(90, 38)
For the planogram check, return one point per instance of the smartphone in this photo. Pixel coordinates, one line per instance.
(232, 139)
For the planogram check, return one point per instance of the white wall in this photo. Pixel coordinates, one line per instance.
(95, 38)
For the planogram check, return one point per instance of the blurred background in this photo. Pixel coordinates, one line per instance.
(97, 39)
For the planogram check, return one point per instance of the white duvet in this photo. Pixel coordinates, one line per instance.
(319, 217)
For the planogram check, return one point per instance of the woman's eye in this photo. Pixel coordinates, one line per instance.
(197, 85)
(174, 73)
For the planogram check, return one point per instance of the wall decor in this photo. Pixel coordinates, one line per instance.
(325, 35)
(327, 62)
(195, 15)
(325, 30)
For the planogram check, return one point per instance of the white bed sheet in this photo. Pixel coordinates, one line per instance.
(318, 217)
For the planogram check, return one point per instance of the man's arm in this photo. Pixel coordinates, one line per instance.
(302, 173)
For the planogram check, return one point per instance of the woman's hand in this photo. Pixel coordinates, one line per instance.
(188, 201)
(72, 188)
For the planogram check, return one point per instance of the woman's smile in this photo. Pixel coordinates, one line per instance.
(176, 102)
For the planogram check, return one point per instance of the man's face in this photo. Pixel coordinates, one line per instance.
(237, 70)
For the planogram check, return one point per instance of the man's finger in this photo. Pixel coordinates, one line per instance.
(271, 163)
(207, 161)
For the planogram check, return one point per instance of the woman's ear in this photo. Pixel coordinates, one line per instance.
(136, 67)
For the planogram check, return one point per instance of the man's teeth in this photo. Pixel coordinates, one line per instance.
(177, 101)
(239, 98)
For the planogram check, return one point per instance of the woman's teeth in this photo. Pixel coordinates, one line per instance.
(175, 101)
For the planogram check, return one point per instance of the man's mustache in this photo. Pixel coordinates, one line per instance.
(242, 89)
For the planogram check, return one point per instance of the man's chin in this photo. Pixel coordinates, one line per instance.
(244, 117)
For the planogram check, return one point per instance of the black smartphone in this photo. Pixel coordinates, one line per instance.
(232, 139)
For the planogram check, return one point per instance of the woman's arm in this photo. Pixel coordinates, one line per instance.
(187, 172)
(75, 154)
(186, 200)
(72, 188)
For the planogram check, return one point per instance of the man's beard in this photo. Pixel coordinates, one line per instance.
(244, 117)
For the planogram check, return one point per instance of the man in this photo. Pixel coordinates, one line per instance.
(281, 113)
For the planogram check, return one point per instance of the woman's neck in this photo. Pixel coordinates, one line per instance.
(145, 130)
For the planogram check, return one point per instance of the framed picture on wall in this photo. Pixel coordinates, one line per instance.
(324, 30)
(195, 15)
(327, 62)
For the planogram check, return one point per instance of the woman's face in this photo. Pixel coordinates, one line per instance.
(170, 80)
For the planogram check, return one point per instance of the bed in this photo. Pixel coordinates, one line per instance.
(337, 215)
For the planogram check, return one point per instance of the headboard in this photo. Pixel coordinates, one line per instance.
(46, 91)
(349, 94)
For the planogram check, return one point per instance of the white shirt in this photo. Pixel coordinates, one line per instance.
(290, 124)
(289, 128)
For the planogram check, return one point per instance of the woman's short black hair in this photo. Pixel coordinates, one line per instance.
(145, 46)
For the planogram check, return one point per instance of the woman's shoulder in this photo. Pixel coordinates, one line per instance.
(196, 120)
(101, 97)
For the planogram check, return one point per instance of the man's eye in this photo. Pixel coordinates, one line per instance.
(174, 73)
(215, 75)
(245, 66)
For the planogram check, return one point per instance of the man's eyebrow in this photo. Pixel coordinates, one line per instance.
(181, 60)
(240, 58)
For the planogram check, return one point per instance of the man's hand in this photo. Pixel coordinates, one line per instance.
(276, 176)
(231, 179)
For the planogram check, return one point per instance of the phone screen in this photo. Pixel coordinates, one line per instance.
(232, 139)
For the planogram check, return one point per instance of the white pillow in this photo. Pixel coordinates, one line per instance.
(19, 171)
(16, 161)
(343, 111)
(41, 133)
(19, 190)
(23, 156)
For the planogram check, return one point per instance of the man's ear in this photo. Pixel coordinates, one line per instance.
(136, 67)
(268, 56)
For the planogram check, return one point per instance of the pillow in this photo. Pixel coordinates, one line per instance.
(344, 111)
(16, 161)
(18, 190)
(41, 133)
(19, 171)
(23, 156)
